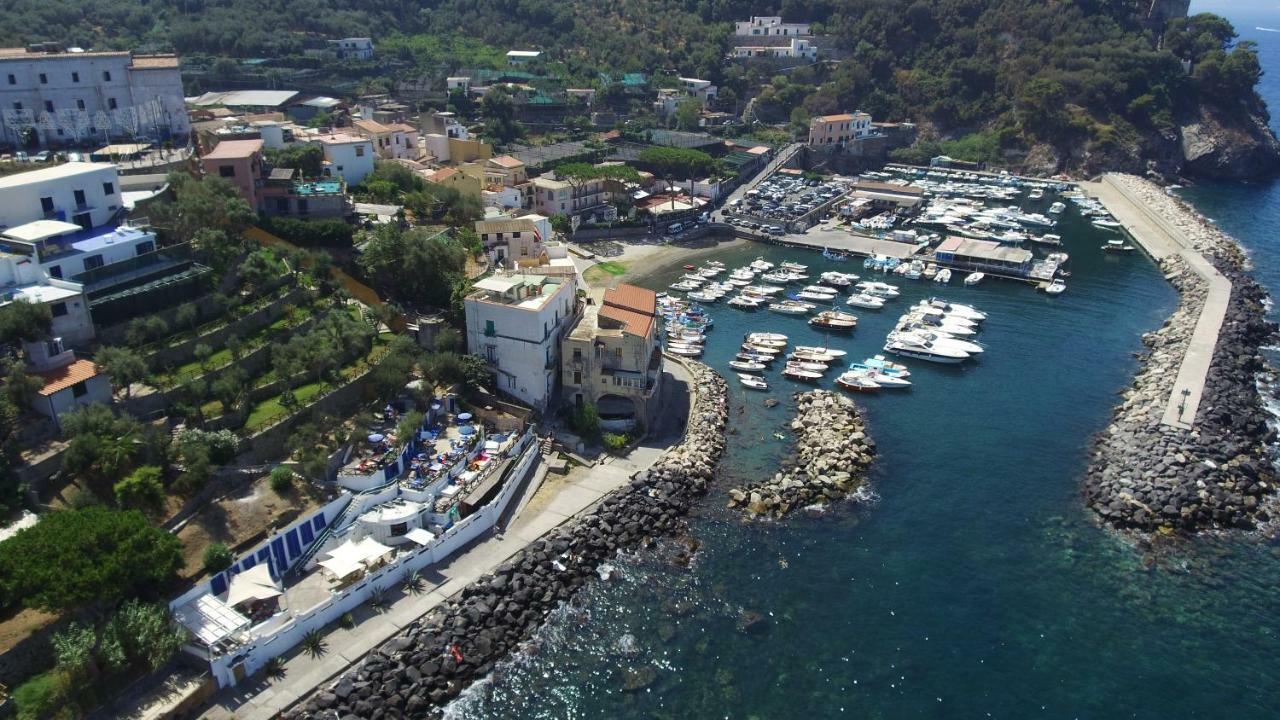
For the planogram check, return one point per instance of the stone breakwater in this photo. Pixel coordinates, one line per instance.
(1147, 476)
(833, 452)
(413, 674)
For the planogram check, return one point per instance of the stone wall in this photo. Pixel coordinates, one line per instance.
(460, 641)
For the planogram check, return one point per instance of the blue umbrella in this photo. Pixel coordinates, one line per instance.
(467, 430)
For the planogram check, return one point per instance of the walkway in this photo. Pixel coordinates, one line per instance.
(556, 500)
(1160, 239)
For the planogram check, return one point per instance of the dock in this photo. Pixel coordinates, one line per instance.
(1161, 239)
(819, 238)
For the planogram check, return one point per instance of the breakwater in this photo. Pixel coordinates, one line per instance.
(1149, 475)
(833, 452)
(415, 673)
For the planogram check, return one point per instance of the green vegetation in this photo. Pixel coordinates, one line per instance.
(217, 557)
(585, 421)
(41, 695)
(142, 489)
(307, 159)
(22, 320)
(281, 480)
(415, 266)
(676, 163)
(429, 202)
(310, 233)
(611, 267)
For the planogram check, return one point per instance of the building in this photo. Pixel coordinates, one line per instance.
(396, 140)
(352, 48)
(768, 26)
(612, 358)
(887, 195)
(67, 304)
(349, 157)
(591, 198)
(794, 49)
(252, 101)
(240, 163)
(507, 239)
(523, 57)
(68, 383)
(52, 97)
(703, 90)
(516, 323)
(506, 171)
(834, 129)
(87, 194)
(985, 256)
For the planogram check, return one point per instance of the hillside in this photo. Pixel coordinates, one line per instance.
(1052, 85)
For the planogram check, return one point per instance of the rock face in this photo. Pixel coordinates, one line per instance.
(1213, 147)
(833, 452)
(1147, 476)
(440, 654)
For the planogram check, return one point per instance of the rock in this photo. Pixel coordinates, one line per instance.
(750, 622)
(639, 679)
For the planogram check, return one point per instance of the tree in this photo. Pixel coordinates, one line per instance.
(261, 268)
(217, 557)
(417, 266)
(20, 387)
(688, 114)
(499, 112)
(680, 163)
(22, 321)
(448, 340)
(91, 556)
(306, 158)
(125, 366)
(281, 479)
(196, 205)
(475, 371)
(141, 490)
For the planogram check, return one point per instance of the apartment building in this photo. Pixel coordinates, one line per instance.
(770, 26)
(86, 194)
(349, 157)
(274, 191)
(612, 358)
(240, 163)
(352, 48)
(53, 97)
(833, 129)
(790, 49)
(390, 142)
(516, 323)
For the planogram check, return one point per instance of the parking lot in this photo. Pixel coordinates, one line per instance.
(780, 203)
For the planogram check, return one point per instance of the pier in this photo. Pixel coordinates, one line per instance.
(1161, 239)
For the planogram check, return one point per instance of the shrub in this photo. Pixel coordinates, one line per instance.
(281, 479)
(41, 695)
(615, 441)
(217, 557)
(141, 489)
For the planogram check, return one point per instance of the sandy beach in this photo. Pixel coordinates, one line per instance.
(619, 261)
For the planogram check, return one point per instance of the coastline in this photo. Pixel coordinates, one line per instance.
(1214, 472)
(644, 260)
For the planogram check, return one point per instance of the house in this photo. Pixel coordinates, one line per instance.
(510, 239)
(444, 123)
(49, 96)
(703, 90)
(769, 26)
(274, 191)
(346, 156)
(68, 383)
(516, 323)
(505, 170)
(87, 194)
(468, 184)
(887, 195)
(258, 101)
(67, 305)
(523, 57)
(835, 129)
(612, 358)
(551, 196)
(396, 140)
(239, 162)
(352, 48)
(792, 48)
(457, 82)
(666, 102)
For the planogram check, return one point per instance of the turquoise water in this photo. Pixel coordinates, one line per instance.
(975, 585)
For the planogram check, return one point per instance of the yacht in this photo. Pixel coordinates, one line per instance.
(798, 373)
(857, 382)
(775, 337)
(810, 365)
(747, 366)
(863, 300)
(933, 323)
(762, 290)
(1117, 246)
(1057, 287)
(1047, 239)
(817, 297)
(791, 307)
(938, 339)
(973, 278)
(761, 265)
(968, 312)
(837, 279)
(925, 350)
(753, 382)
(741, 301)
(879, 289)
(834, 320)
(1106, 224)
(815, 350)
(794, 267)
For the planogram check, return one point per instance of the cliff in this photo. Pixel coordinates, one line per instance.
(1214, 145)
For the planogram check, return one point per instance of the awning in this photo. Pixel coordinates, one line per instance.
(252, 584)
(350, 557)
(421, 536)
(210, 620)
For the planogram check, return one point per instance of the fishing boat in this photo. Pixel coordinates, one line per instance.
(1117, 246)
(747, 366)
(798, 373)
(753, 382)
(973, 278)
(791, 307)
(924, 350)
(863, 300)
(885, 365)
(834, 256)
(829, 352)
(834, 320)
(769, 336)
(685, 351)
(1057, 287)
(943, 276)
(857, 383)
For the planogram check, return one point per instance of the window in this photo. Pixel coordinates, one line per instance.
(55, 271)
(108, 189)
(511, 382)
(80, 199)
(44, 79)
(491, 353)
(46, 205)
(489, 329)
(359, 151)
(106, 76)
(79, 389)
(282, 206)
(17, 106)
(93, 262)
(13, 79)
(48, 106)
(227, 171)
(79, 104)
(75, 77)
(577, 378)
(144, 247)
(398, 529)
(58, 309)
(111, 104)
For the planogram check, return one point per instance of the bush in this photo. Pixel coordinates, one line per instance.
(311, 233)
(281, 480)
(141, 489)
(217, 557)
(615, 441)
(41, 695)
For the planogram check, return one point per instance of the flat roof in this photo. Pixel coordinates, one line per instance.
(245, 98)
(984, 249)
(234, 149)
(57, 172)
(122, 149)
(43, 293)
(340, 139)
(524, 53)
(41, 230)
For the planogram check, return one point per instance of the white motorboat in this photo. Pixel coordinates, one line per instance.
(1057, 208)
(973, 278)
(1117, 246)
(765, 341)
(811, 365)
(738, 282)
(685, 351)
(1106, 224)
(815, 357)
(932, 324)
(794, 267)
(688, 336)
(829, 352)
(882, 379)
(864, 300)
(777, 277)
(857, 382)
(967, 312)
(943, 276)
(761, 350)
(1047, 239)
(706, 297)
(879, 289)
(798, 373)
(1057, 287)
(930, 271)
(762, 290)
(761, 265)
(834, 320)
(775, 337)
(815, 296)
(755, 357)
(925, 351)
(747, 366)
(753, 382)
(837, 279)
(939, 340)
(685, 286)
(791, 307)
(820, 290)
(740, 301)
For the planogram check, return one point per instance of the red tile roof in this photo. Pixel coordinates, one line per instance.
(506, 161)
(633, 322)
(631, 297)
(64, 377)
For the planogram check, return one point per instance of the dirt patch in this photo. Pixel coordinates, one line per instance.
(18, 626)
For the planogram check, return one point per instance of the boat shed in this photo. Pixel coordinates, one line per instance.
(984, 255)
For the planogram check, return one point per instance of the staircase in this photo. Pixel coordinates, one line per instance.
(546, 445)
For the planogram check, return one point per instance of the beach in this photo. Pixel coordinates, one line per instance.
(622, 261)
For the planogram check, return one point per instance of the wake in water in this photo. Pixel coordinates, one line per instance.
(1266, 29)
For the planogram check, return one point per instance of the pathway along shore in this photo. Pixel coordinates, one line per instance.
(1187, 449)
(415, 673)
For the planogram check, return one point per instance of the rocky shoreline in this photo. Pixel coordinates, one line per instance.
(1149, 477)
(833, 452)
(415, 673)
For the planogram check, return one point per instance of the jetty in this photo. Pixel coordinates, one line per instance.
(1162, 239)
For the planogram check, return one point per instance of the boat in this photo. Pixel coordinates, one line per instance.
(938, 339)
(762, 290)
(1047, 239)
(820, 290)
(763, 340)
(834, 320)
(747, 366)
(930, 271)
(1106, 224)
(829, 352)
(761, 265)
(885, 380)
(943, 276)
(685, 351)
(879, 289)
(814, 296)
(885, 365)
(753, 382)
(775, 337)
(761, 350)
(1117, 246)
(755, 357)
(973, 278)
(706, 297)
(791, 307)
(740, 301)
(798, 373)
(924, 350)
(857, 382)
(809, 357)
(864, 300)
(967, 312)
(685, 286)
(1057, 208)
(794, 267)
(690, 267)
(1057, 287)
(931, 323)
(837, 279)
(834, 256)
(777, 277)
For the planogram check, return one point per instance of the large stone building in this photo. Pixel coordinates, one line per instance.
(52, 97)
(613, 357)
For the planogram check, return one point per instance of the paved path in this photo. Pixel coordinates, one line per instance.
(556, 501)
(1160, 239)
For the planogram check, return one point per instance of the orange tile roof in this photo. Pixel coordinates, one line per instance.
(506, 161)
(631, 297)
(402, 127)
(234, 149)
(64, 377)
(372, 126)
(633, 322)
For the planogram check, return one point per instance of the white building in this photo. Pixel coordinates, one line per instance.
(703, 90)
(82, 97)
(765, 26)
(353, 48)
(349, 157)
(87, 194)
(69, 383)
(797, 48)
(522, 57)
(54, 249)
(66, 302)
(516, 323)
